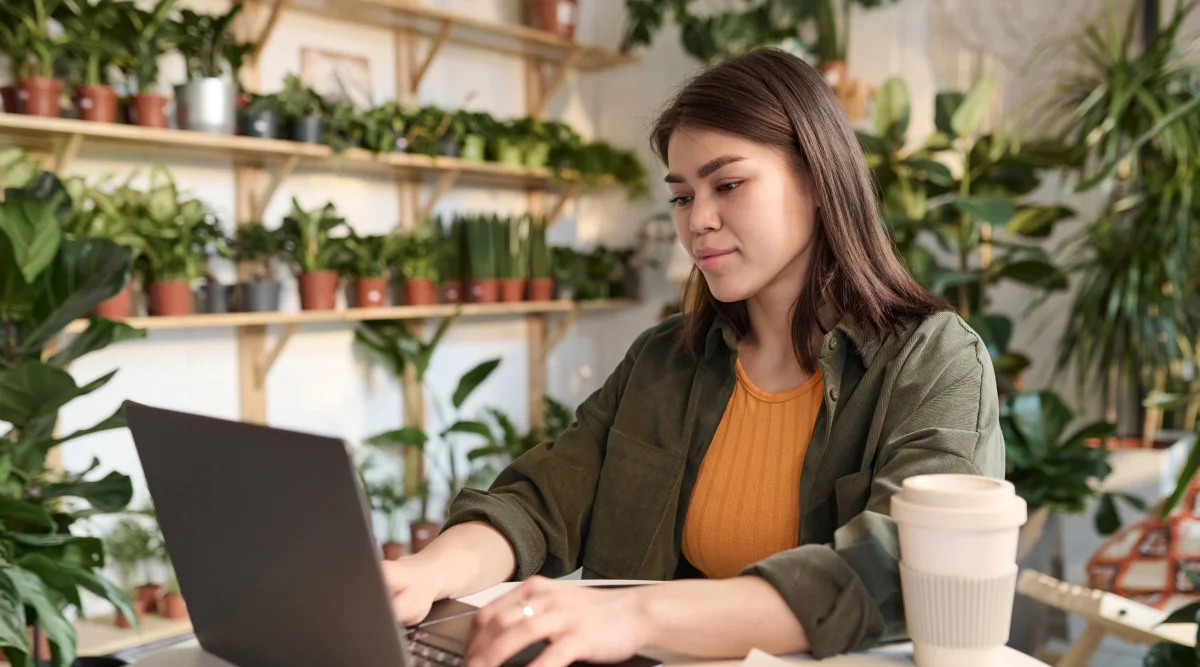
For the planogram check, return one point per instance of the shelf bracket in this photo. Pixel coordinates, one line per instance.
(560, 76)
(434, 47)
(445, 180)
(272, 21)
(571, 193)
(65, 152)
(280, 343)
(555, 336)
(281, 174)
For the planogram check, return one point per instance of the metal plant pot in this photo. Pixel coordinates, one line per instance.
(207, 105)
(216, 297)
(307, 130)
(260, 296)
(261, 124)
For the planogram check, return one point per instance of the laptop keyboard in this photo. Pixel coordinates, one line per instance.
(427, 655)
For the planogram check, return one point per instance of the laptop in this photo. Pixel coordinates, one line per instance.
(271, 539)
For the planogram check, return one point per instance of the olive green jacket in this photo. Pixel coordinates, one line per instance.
(611, 494)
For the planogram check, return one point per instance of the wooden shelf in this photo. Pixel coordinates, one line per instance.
(100, 636)
(502, 37)
(53, 134)
(203, 321)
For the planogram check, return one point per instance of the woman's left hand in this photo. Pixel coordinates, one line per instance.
(580, 623)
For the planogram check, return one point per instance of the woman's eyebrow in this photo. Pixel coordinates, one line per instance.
(708, 168)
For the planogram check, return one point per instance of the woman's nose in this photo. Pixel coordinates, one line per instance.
(704, 216)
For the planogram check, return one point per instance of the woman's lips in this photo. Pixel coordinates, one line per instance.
(708, 260)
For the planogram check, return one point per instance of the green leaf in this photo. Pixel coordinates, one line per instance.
(409, 436)
(486, 451)
(50, 618)
(428, 349)
(1037, 221)
(1190, 466)
(33, 231)
(471, 427)
(1010, 363)
(471, 380)
(968, 117)
(33, 389)
(1166, 401)
(83, 274)
(1186, 613)
(1139, 504)
(100, 333)
(46, 540)
(53, 576)
(995, 330)
(103, 588)
(25, 511)
(933, 171)
(110, 494)
(995, 211)
(12, 616)
(1110, 167)
(1035, 274)
(945, 106)
(889, 115)
(115, 420)
(1107, 521)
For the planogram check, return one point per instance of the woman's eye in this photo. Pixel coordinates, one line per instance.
(680, 200)
(728, 187)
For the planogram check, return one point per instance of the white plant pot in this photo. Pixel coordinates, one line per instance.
(207, 105)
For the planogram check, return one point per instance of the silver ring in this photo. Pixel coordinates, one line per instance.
(527, 611)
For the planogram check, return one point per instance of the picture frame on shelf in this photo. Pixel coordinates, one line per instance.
(337, 76)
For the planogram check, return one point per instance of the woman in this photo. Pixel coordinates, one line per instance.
(751, 446)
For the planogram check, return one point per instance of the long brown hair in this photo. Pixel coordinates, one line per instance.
(776, 99)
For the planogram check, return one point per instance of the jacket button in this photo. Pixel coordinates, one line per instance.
(833, 394)
(833, 343)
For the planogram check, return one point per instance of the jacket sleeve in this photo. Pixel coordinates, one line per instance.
(542, 502)
(943, 417)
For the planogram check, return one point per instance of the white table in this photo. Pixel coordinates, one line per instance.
(191, 655)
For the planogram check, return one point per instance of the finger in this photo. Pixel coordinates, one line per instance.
(517, 597)
(511, 641)
(409, 608)
(558, 654)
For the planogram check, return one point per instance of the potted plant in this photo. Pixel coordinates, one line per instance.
(508, 144)
(433, 131)
(450, 241)
(387, 499)
(364, 260)
(147, 35)
(482, 254)
(566, 265)
(339, 125)
(178, 235)
(303, 108)
(171, 605)
(534, 136)
(382, 129)
(36, 47)
(207, 102)
(96, 213)
(261, 116)
(541, 258)
(254, 246)
(419, 258)
(557, 17)
(477, 129)
(512, 258)
(307, 240)
(90, 27)
(132, 548)
(47, 286)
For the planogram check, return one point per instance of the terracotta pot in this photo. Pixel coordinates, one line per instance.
(139, 608)
(371, 292)
(171, 298)
(97, 104)
(512, 289)
(554, 16)
(318, 290)
(485, 291)
(149, 110)
(39, 96)
(420, 292)
(10, 99)
(423, 533)
(834, 72)
(541, 289)
(116, 308)
(452, 291)
(393, 551)
(148, 595)
(173, 606)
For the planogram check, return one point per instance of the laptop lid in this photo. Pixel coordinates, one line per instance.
(271, 541)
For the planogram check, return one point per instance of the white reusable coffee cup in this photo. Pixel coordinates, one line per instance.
(958, 566)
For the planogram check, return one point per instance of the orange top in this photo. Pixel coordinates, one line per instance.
(746, 502)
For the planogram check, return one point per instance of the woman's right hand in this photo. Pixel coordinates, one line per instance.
(414, 584)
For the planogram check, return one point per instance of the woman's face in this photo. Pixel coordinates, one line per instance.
(742, 212)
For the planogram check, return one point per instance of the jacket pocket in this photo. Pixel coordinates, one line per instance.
(852, 493)
(636, 501)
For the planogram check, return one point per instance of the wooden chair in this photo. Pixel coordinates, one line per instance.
(1105, 614)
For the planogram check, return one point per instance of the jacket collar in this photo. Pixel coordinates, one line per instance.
(721, 333)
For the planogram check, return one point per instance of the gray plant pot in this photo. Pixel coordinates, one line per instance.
(307, 130)
(565, 291)
(261, 124)
(260, 296)
(450, 146)
(216, 297)
(207, 105)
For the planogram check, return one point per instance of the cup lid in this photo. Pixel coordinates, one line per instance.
(959, 502)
